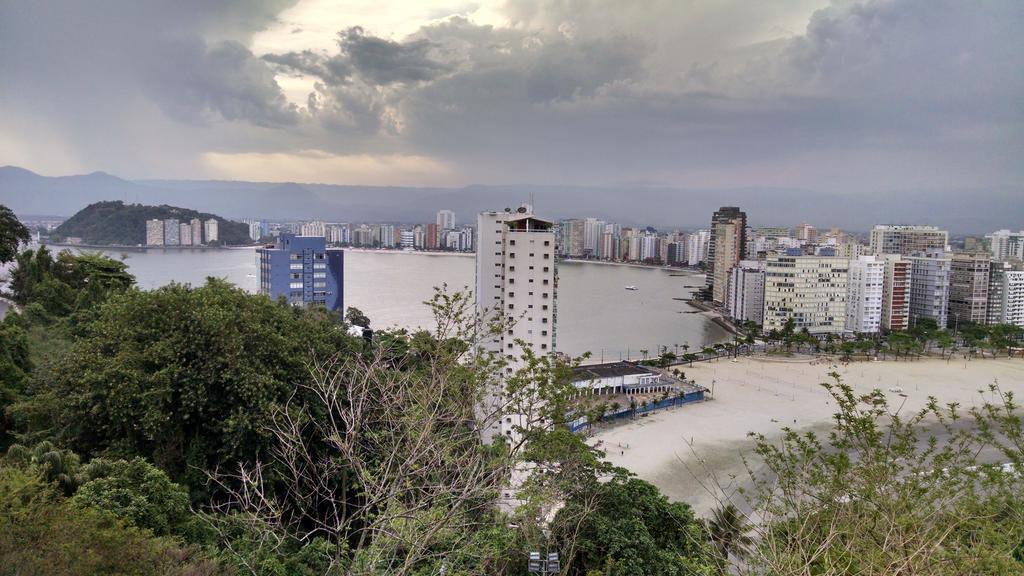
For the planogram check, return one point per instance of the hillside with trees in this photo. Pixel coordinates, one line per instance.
(115, 223)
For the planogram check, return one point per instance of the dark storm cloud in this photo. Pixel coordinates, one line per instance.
(863, 94)
(382, 61)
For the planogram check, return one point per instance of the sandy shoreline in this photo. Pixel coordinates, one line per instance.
(762, 395)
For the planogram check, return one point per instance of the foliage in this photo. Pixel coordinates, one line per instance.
(12, 234)
(68, 283)
(135, 491)
(115, 223)
(43, 533)
(888, 493)
(51, 464)
(631, 529)
(15, 366)
(185, 377)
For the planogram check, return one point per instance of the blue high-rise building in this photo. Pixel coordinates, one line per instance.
(302, 270)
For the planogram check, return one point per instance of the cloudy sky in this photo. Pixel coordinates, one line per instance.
(837, 96)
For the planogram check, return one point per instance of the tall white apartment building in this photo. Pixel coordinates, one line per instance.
(154, 232)
(386, 236)
(314, 228)
(197, 230)
(446, 220)
(515, 283)
(810, 290)
(929, 289)
(697, 247)
(746, 292)
(864, 291)
(1006, 245)
(907, 240)
(210, 231)
(172, 232)
(896, 293)
(185, 234)
(1013, 298)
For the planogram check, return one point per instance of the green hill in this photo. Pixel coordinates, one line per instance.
(120, 224)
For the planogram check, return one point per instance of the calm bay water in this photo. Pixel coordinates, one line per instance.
(595, 312)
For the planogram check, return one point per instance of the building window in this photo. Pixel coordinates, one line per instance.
(511, 280)
(544, 307)
(513, 268)
(546, 282)
(547, 243)
(543, 332)
(531, 254)
(547, 256)
(295, 285)
(511, 254)
(511, 294)
(544, 295)
(543, 346)
(543, 320)
(511, 306)
(511, 242)
(546, 269)
(295, 266)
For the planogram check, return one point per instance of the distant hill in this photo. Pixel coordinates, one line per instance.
(117, 223)
(964, 211)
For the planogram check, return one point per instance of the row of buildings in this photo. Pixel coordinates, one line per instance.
(172, 232)
(903, 275)
(439, 235)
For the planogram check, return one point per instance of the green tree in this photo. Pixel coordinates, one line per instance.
(185, 377)
(135, 491)
(626, 527)
(41, 532)
(12, 234)
(728, 531)
(15, 366)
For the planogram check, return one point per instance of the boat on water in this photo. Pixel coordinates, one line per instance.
(631, 288)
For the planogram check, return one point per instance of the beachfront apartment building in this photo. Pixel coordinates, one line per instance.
(515, 286)
(810, 290)
(746, 292)
(1006, 245)
(929, 289)
(197, 231)
(865, 290)
(968, 288)
(895, 293)
(211, 231)
(185, 234)
(154, 232)
(697, 247)
(303, 271)
(1013, 298)
(726, 247)
(172, 232)
(907, 240)
(445, 220)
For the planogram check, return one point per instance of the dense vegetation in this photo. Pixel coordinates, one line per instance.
(207, 431)
(115, 223)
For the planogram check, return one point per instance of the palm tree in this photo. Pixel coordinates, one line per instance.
(728, 531)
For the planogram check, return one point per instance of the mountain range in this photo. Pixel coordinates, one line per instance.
(962, 211)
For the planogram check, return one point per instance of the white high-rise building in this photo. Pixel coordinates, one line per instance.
(1013, 298)
(810, 290)
(907, 240)
(314, 228)
(864, 288)
(697, 247)
(386, 236)
(1006, 245)
(197, 230)
(185, 234)
(446, 220)
(154, 232)
(210, 231)
(592, 231)
(746, 292)
(929, 289)
(515, 283)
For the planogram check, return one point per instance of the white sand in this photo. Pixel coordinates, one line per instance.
(763, 395)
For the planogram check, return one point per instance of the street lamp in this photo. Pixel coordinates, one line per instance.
(543, 566)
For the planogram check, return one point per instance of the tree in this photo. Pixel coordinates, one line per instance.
(68, 283)
(135, 491)
(871, 497)
(184, 377)
(41, 532)
(626, 527)
(15, 366)
(12, 234)
(729, 534)
(355, 317)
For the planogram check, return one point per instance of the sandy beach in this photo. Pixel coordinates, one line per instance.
(681, 449)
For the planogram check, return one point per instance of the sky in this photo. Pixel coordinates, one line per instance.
(838, 96)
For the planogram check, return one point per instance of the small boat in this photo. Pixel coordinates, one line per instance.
(250, 275)
(631, 288)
